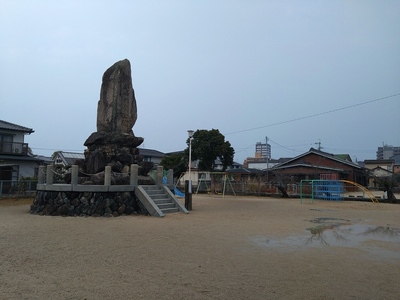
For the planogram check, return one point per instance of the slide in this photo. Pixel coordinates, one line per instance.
(176, 191)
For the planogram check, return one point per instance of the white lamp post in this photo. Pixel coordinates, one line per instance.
(190, 132)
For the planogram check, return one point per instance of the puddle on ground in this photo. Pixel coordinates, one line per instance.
(338, 233)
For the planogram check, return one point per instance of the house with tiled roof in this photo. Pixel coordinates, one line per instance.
(396, 164)
(151, 155)
(243, 174)
(67, 159)
(379, 168)
(343, 156)
(386, 164)
(15, 160)
(378, 173)
(311, 164)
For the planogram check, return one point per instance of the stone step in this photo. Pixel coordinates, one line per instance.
(152, 193)
(169, 210)
(151, 187)
(163, 206)
(155, 194)
(162, 201)
(161, 198)
(153, 190)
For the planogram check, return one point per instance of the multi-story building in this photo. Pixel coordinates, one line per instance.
(15, 159)
(263, 150)
(387, 152)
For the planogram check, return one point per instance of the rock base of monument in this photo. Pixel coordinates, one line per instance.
(84, 204)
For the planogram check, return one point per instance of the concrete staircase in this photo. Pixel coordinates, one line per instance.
(159, 200)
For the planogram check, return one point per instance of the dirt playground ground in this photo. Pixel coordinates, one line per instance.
(226, 248)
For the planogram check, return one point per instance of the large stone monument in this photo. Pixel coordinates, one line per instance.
(114, 143)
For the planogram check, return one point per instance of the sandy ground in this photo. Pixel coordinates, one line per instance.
(226, 248)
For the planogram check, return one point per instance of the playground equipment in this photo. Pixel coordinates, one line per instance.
(364, 189)
(322, 189)
(202, 180)
(225, 180)
(329, 190)
(176, 191)
(219, 181)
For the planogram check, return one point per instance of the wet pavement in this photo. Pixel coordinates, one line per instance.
(334, 232)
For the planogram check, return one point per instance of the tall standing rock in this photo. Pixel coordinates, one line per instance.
(114, 143)
(116, 110)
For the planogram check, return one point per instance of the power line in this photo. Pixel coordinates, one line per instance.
(314, 115)
(284, 147)
(243, 149)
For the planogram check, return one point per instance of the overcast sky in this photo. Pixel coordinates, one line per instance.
(297, 72)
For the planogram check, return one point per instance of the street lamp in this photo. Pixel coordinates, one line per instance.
(190, 133)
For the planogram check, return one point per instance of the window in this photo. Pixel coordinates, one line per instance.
(6, 143)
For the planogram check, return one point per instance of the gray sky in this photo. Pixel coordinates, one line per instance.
(248, 68)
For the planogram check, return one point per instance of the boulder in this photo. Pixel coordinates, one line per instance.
(116, 110)
(121, 178)
(145, 167)
(114, 137)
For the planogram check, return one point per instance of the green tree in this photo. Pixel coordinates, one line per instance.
(389, 183)
(207, 146)
(177, 161)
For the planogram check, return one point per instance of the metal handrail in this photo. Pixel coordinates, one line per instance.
(13, 148)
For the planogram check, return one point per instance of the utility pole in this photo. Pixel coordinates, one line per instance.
(319, 145)
(188, 183)
(266, 151)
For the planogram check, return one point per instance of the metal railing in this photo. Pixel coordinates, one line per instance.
(13, 148)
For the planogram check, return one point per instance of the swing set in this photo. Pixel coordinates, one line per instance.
(210, 181)
(215, 176)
